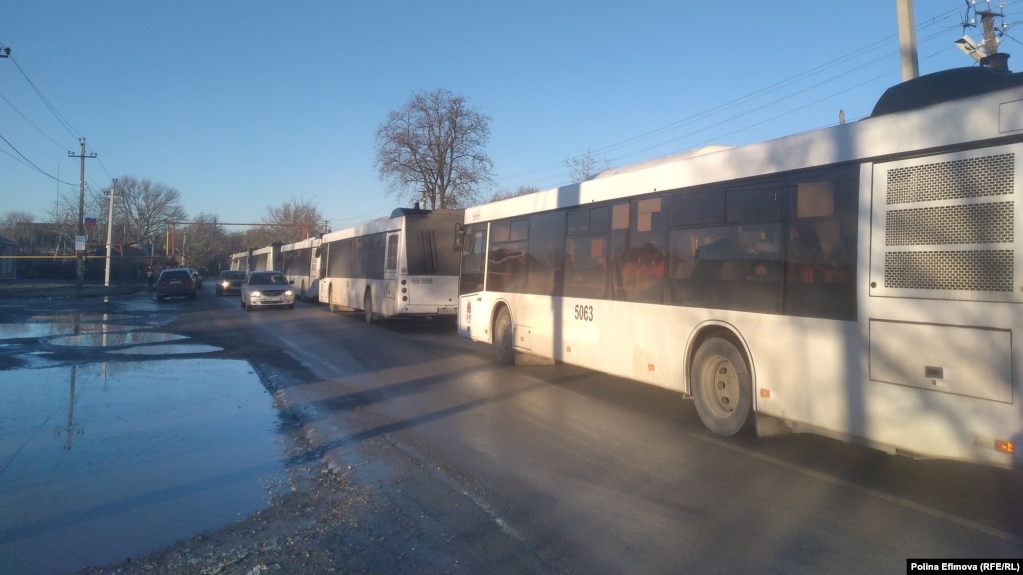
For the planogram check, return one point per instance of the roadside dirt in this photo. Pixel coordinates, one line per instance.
(313, 529)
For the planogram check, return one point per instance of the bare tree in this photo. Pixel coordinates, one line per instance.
(202, 243)
(11, 221)
(434, 148)
(147, 206)
(292, 221)
(63, 216)
(585, 167)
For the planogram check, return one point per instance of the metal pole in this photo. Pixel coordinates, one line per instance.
(110, 228)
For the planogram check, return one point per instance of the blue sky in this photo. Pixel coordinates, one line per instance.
(240, 105)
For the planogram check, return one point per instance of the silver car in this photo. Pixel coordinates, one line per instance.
(267, 289)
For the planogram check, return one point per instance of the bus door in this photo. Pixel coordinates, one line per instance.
(389, 293)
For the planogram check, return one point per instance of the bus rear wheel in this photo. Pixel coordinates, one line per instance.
(721, 387)
(504, 342)
(367, 306)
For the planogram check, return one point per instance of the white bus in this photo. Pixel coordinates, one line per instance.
(300, 263)
(863, 281)
(255, 259)
(401, 266)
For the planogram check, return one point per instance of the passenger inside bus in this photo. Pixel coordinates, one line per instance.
(805, 255)
(643, 272)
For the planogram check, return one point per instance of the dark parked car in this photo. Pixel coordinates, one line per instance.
(230, 281)
(175, 282)
(267, 289)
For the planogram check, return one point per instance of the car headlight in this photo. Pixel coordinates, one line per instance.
(256, 293)
(289, 293)
(225, 283)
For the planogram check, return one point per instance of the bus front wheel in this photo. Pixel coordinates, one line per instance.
(504, 339)
(721, 387)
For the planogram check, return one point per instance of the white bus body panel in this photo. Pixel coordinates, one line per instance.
(426, 295)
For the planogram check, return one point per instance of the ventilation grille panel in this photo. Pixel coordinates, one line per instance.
(948, 270)
(958, 224)
(949, 226)
(957, 179)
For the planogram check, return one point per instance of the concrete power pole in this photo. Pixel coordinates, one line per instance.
(110, 227)
(907, 40)
(81, 214)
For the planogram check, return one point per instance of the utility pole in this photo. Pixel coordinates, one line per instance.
(993, 59)
(80, 240)
(907, 40)
(110, 227)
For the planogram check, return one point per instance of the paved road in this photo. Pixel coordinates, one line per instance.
(588, 473)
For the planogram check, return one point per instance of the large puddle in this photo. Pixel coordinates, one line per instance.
(37, 329)
(103, 461)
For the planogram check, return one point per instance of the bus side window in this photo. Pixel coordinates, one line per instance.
(821, 253)
(643, 269)
(618, 248)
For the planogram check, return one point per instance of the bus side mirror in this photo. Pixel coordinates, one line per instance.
(459, 237)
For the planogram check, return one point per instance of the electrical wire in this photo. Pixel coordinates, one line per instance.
(63, 122)
(786, 84)
(24, 160)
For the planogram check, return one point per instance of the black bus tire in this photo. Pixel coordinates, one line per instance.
(722, 387)
(504, 342)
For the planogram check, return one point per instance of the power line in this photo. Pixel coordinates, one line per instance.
(23, 159)
(67, 125)
(787, 83)
(30, 123)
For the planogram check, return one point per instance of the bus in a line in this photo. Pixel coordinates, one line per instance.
(255, 259)
(300, 263)
(404, 265)
(862, 281)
